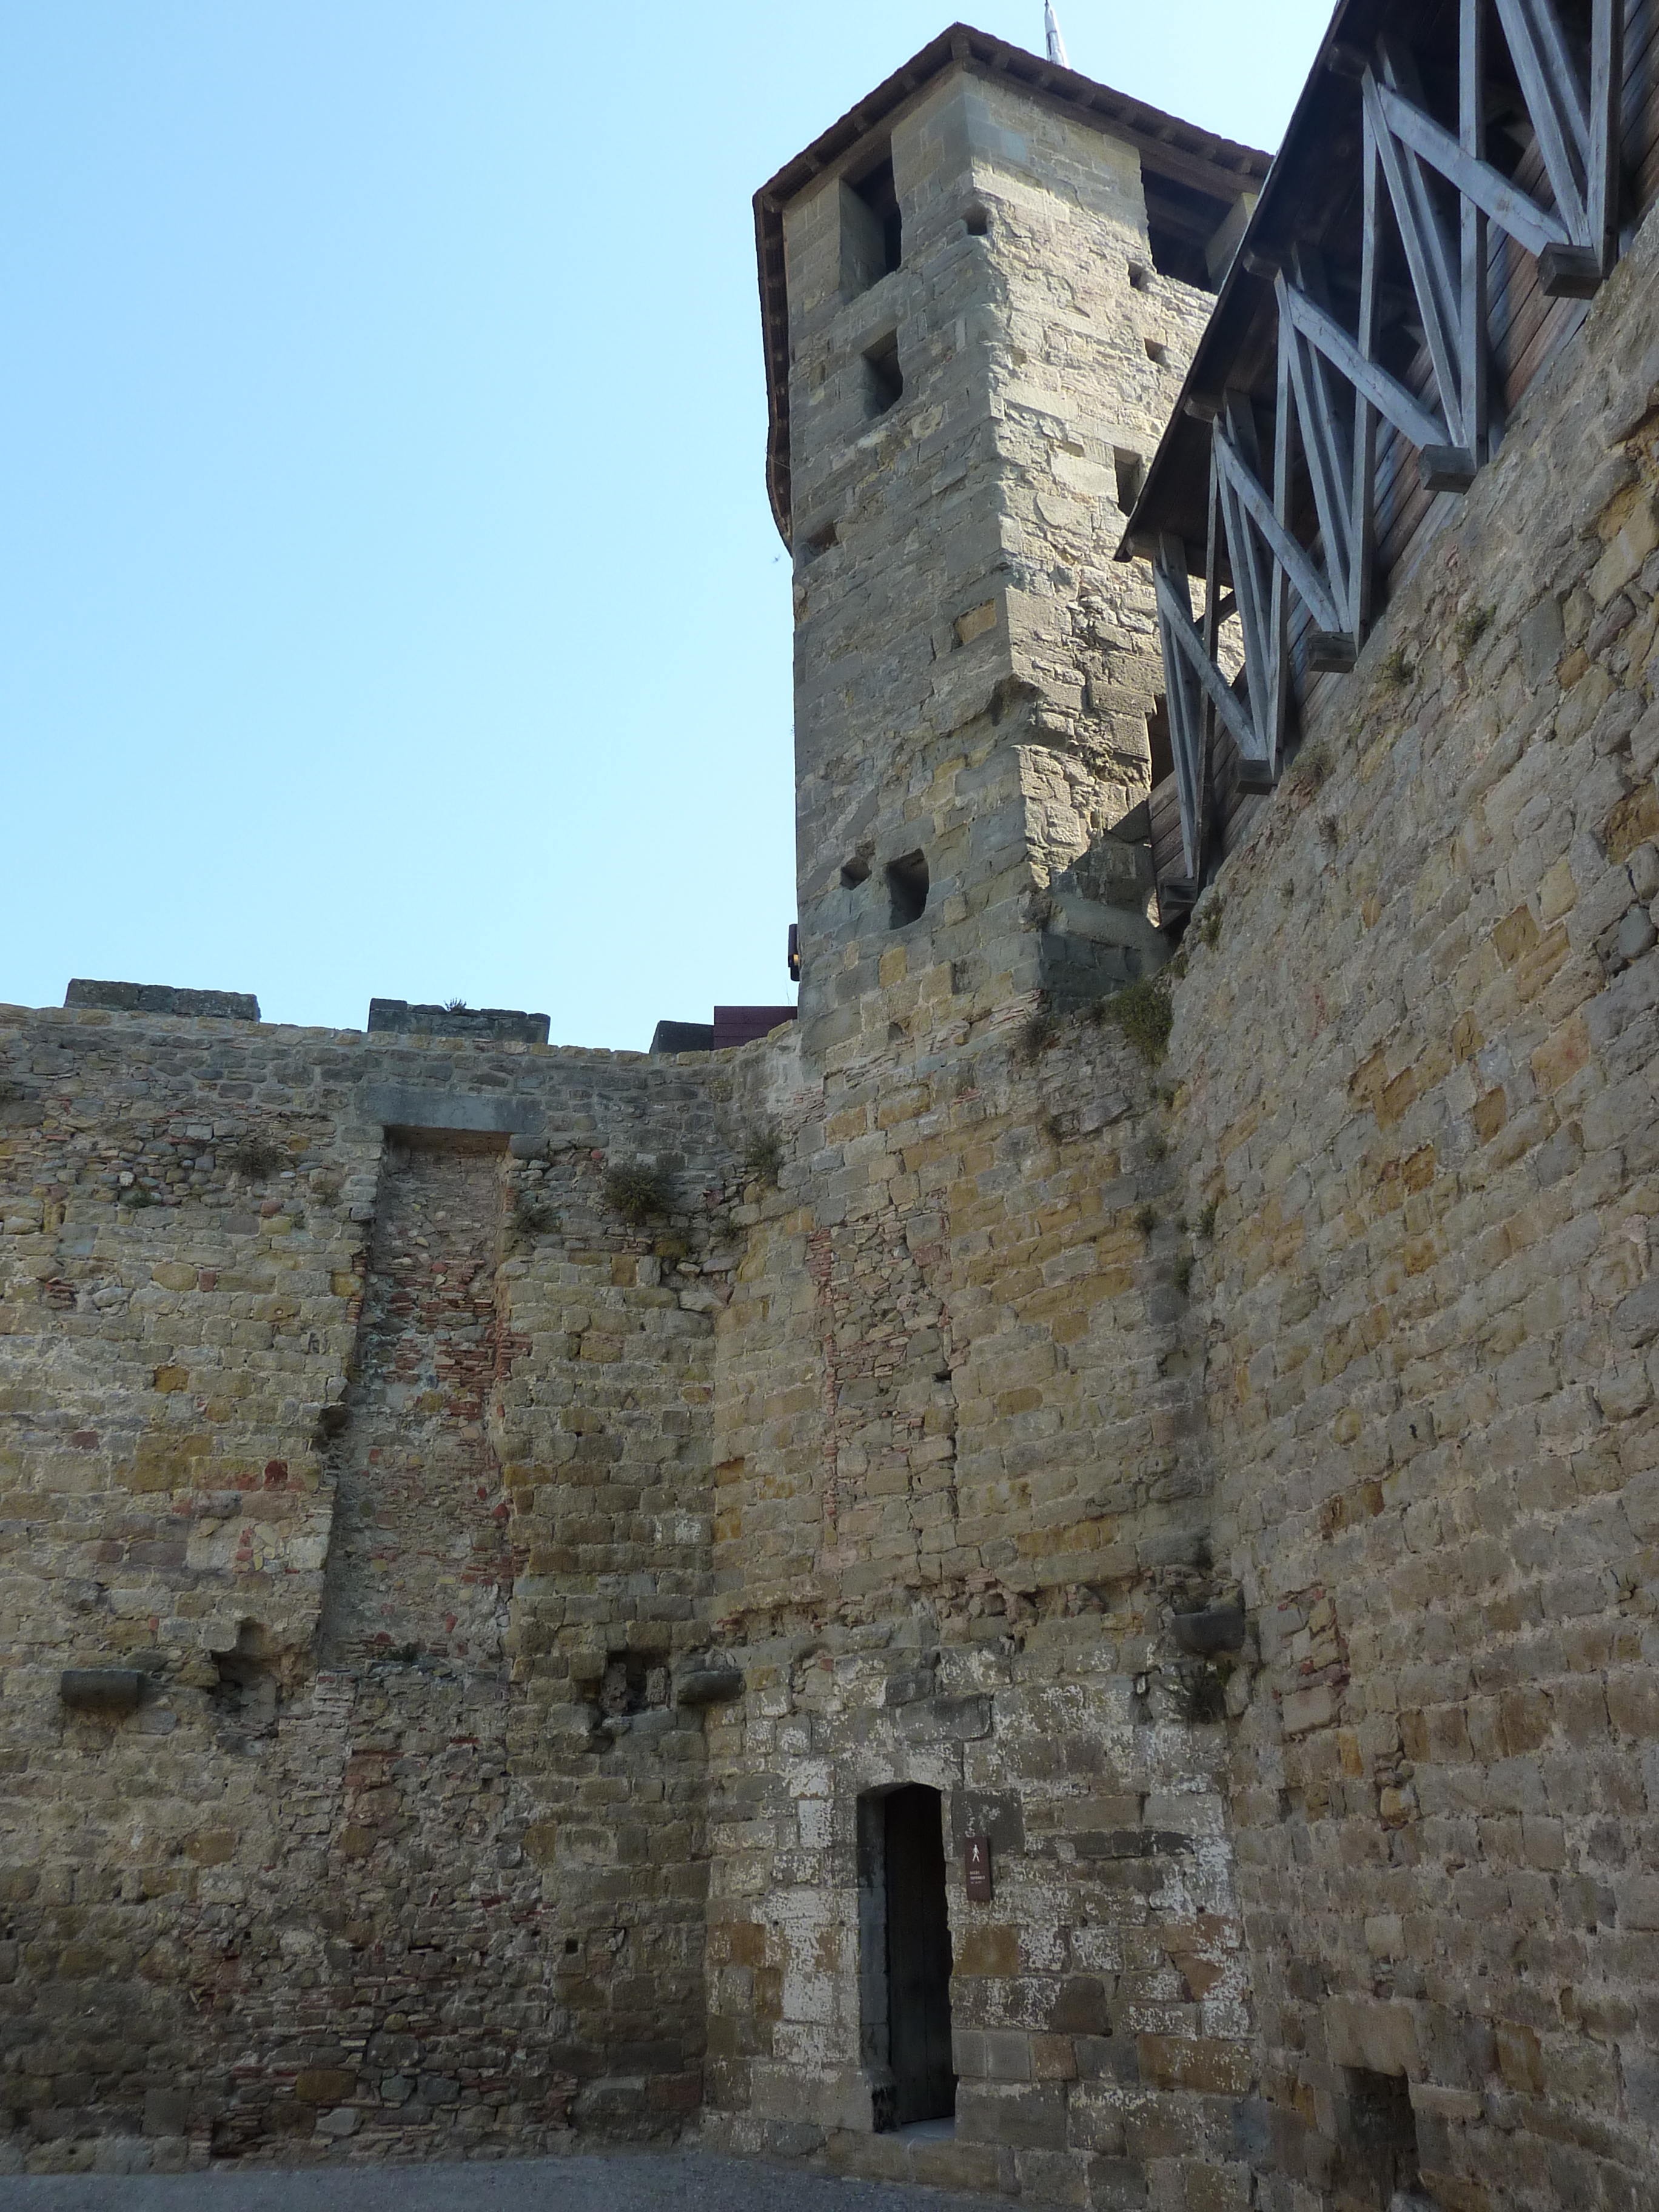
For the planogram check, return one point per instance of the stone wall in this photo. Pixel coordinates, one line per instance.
(1415, 1050)
(341, 1407)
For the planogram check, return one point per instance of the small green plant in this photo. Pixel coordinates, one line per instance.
(1209, 929)
(1473, 626)
(1145, 1218)
(1207, 1218)
(1198, 1694)
(1398, 669)
(1158, 1147)
(1054, 1128)
(1182, 1272)
(254, 1155)
(1142, 1011)
(638, 1193)
(456, 1006)
(328, 1183)
(1040, 1030)
(9, 1090)
(533, 1214)
(138, 1197)
(762, 1155)
(1309, 771)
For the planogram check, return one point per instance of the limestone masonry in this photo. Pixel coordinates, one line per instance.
(1016, 1585)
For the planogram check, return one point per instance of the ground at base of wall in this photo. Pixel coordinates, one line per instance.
(667, 2181)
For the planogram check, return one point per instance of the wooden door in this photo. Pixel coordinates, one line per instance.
(918, 1959)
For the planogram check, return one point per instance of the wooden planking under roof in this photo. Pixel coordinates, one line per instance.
(1168, 148)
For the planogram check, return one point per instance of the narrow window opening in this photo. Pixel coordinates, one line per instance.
(907, 889)
(820, 540)
(1158, 739)
(977, 216)
(1377, 2137)
(1156, 352)
(1131, 474)
(884, 378)
(855, 872)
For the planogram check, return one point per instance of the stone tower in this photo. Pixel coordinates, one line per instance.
(981, 288)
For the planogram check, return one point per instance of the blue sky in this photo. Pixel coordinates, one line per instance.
(389, 600)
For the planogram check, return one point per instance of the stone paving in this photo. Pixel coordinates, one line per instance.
(673, 2181)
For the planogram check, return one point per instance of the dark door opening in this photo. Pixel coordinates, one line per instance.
(918, 1959)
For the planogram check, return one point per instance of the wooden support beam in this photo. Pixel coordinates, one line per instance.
(1548, 85)
(1514, 211)
(1233, 450)
(1430, 254)
(1386, 393)
(1183, 660)
(1607, 108)
(1473, 351)
(1297, 561)
(1178, 609)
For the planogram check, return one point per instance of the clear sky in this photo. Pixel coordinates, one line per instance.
(389, 600)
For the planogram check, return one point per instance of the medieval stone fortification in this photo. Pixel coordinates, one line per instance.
(496, 1537)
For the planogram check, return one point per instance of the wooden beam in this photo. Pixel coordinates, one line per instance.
(1473, 351)
(1607, 111)
(1181, 682)
(1230, 447)
(1539, 53)
(1296, 560)
(1514, 211)
(1363, 502)
(1386, 393)
(1428, 254)
(1178, 609)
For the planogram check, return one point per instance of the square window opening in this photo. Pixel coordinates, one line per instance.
(907, 890)
(977, 217)
(1376, 2130)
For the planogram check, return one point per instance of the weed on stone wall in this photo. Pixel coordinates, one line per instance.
(1398, 669)
(534, 1215)
(1142, 1011)
(1473, 628)
(1207, 1218)
(1310, 770)
(1041, 1030)
(638, 1193)
(254, 1156)
(762, 1155)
